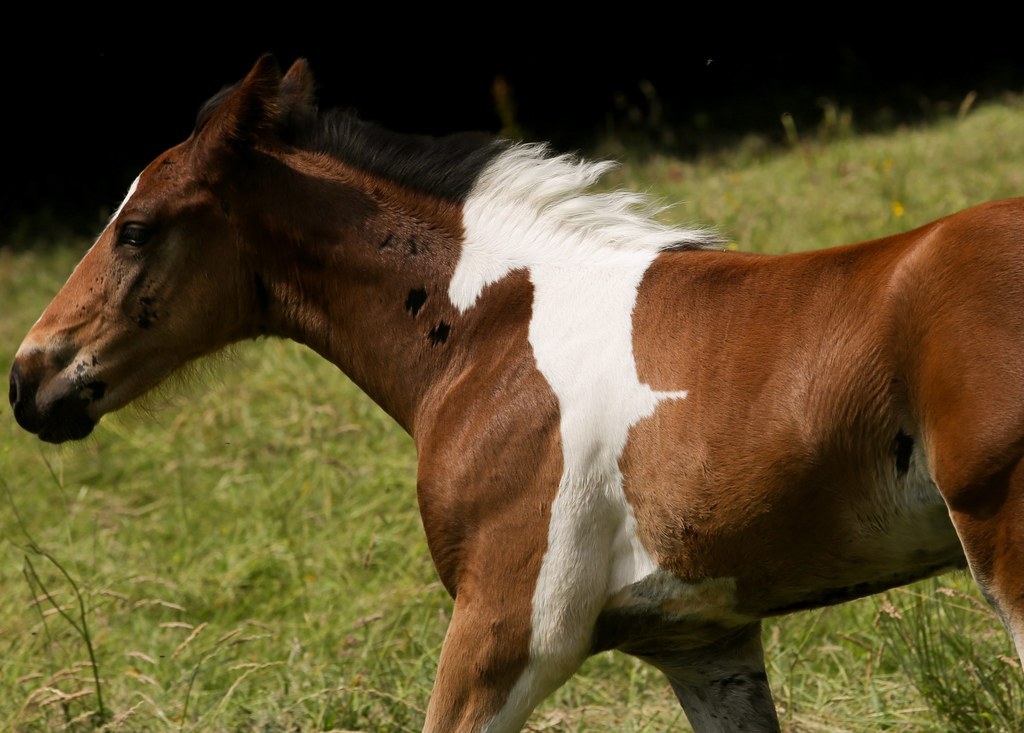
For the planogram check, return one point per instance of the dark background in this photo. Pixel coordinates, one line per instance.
(83, 117)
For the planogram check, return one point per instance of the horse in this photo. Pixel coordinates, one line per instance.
(628, 437)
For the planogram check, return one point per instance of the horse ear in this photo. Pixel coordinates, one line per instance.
(246, 112)
(297, 88)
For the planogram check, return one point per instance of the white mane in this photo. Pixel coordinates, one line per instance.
(555, 187)
(529, 208)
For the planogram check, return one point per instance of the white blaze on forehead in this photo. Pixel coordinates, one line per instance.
(586, 256)
(127, 198)
(31, 343)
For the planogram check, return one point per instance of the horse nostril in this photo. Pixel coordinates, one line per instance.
(13, 396)
(21, 397)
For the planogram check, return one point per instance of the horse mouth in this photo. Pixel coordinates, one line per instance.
(60, 421)
(74, 427)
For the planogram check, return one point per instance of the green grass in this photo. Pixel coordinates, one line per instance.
(249, 556)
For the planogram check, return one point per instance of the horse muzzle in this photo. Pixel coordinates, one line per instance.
(56, 412)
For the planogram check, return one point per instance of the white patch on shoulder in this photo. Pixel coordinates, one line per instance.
(586, 255)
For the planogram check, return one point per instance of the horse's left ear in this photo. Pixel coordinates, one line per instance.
(247, 111)
(297, 89)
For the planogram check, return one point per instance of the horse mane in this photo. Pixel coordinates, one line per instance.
(458, 166)
(446, 167)
(557, 189)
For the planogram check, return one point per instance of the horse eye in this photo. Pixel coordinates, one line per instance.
(134, 235)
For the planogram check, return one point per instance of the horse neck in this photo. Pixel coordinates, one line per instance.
(360, 272)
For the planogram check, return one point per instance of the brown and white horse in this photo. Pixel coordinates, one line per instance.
(627, 437)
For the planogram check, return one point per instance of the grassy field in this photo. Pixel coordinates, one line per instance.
(249, 557)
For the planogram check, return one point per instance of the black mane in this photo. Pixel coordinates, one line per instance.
(446, 167)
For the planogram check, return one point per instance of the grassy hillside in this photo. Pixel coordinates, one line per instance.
(249, 557)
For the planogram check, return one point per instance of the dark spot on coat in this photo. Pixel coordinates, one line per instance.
(417, 297)
(147, 315)
(261, 293)
(386, 242)
(439, 333)
(903, 447)
(416, 246)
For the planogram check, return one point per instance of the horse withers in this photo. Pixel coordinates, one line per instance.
(628, 438)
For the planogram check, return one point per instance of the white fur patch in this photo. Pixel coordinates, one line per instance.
(127, 197)
(29, 344)
(586, 255)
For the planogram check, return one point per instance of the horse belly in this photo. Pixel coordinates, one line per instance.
(896, 532)
(892, 527)
(750, 552)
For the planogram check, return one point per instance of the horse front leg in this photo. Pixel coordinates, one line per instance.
(491, 676)
(507, 646)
